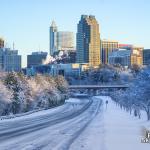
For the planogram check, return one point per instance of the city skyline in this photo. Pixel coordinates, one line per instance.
(27, 23)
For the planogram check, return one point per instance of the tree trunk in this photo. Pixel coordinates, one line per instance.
(148, 114)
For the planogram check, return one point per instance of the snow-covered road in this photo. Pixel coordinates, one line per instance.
(80, 124)
(49, 129)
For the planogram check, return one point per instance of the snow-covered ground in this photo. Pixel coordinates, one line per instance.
(78, 124)
(113, 129)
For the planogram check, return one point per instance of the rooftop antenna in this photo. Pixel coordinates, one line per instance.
(13, 45)
(39, 48)
(6, 45)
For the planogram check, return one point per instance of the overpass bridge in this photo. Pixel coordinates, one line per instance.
(97, 87)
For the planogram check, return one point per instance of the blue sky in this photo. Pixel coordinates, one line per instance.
(26, 22)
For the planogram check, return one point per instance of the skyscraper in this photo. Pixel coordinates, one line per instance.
(53, 38)
(65, 40)
(107, 46)
(88, 41)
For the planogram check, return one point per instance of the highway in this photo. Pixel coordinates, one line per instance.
(56, 128)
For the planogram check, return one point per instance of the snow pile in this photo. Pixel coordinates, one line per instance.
(22, 94)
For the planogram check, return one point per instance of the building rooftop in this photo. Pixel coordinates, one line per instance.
(53, 24)
(120, 53)
(107, 40)
(39, 53)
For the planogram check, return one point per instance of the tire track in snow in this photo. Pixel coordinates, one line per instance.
(75, 113)
(65, 145)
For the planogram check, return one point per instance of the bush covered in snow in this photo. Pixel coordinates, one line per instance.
(137, 97)
(21, 94)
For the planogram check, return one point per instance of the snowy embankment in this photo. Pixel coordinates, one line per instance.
(19, 115)
(41, 111)
(21, 95)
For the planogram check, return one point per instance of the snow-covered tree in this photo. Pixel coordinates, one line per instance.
(28, 93)
(137, 97)
(5, 99)
(61, 84)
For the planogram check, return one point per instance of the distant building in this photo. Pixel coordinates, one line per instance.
(72, 56)
(146, 57)
(36, 58)
(125, 46)
(122, 57)
(137, 55)
(60, 40)
(1, 43)
(65, 40)
(53, 38)
(41, 69)
(88, 41)
(127, 57)
(65, 56)
(107, 46)
(66, 70)
(10, 60)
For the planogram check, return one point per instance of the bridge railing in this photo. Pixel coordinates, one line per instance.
(97, 86)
